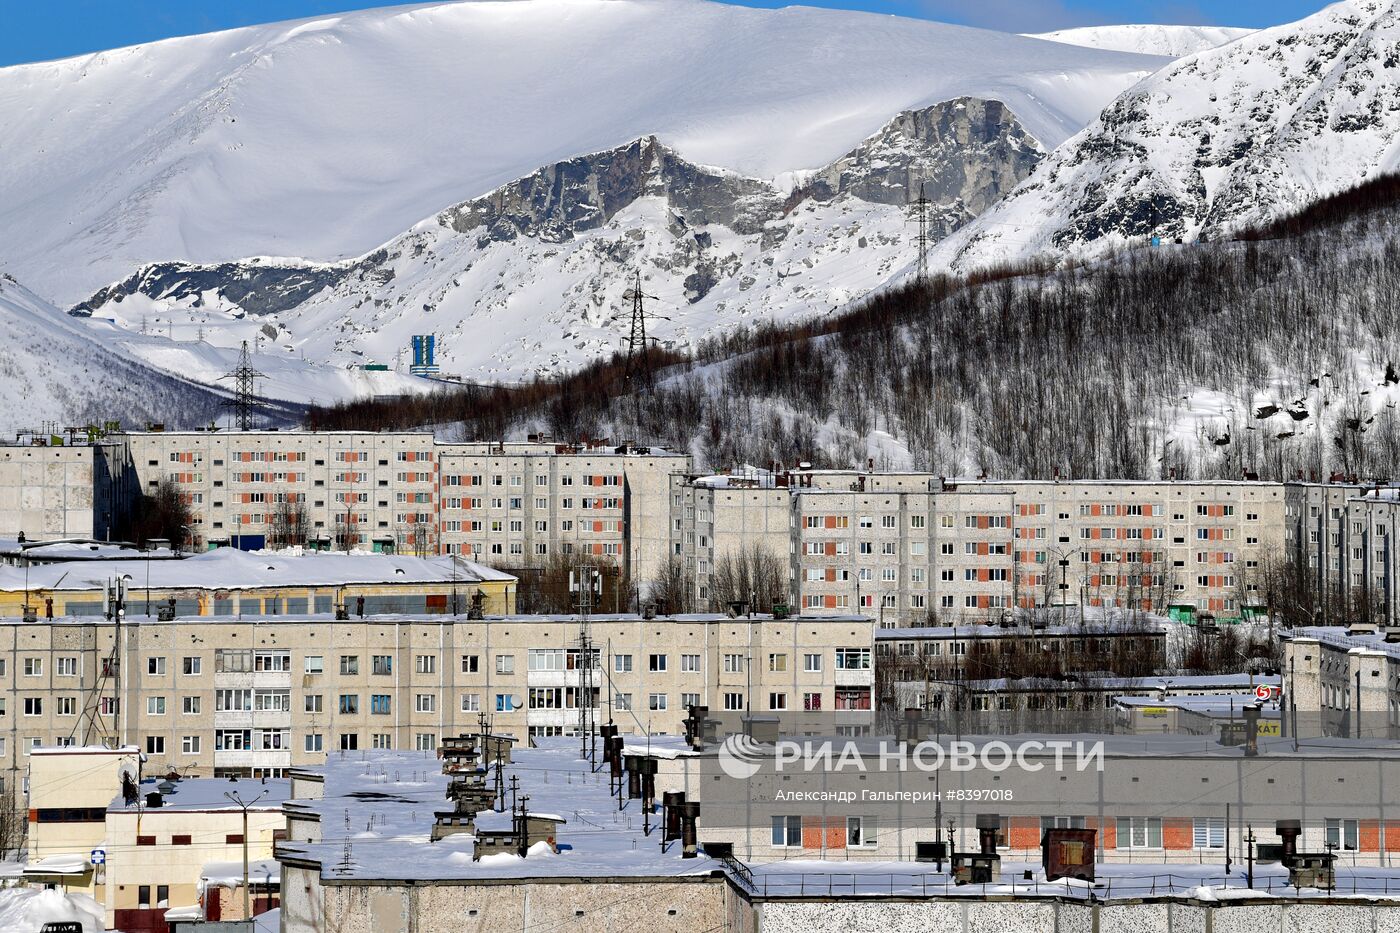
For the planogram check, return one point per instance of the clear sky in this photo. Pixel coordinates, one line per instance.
(35, 30)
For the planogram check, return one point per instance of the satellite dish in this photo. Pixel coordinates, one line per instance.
(515, 701)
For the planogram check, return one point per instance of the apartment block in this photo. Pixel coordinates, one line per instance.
(49, 492)
(911, 548)
(1341, 534)
(520, 504)
(255, 696)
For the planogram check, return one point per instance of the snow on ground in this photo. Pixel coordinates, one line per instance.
(25, 909)
(1175, 41)
(323, 138)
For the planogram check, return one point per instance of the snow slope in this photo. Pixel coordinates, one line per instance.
(322, 138)
(54, 369)
(531, 277)
(1230, 136)
(1173, 41)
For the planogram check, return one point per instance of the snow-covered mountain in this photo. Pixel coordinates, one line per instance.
(323, 138)
(1222, 139)
(1173, 41)
(530, 277)
(55, 370)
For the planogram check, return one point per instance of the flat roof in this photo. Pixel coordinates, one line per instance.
(208, 794)
(390, 797)
(232, 569)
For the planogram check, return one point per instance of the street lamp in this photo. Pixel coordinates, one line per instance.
(234, 796)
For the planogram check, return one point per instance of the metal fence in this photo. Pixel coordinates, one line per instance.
(1166, 884)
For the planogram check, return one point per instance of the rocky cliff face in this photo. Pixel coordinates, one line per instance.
(964, 154)
(529, 277)
(1229, 137)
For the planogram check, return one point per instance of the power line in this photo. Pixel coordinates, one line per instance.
(245, 398)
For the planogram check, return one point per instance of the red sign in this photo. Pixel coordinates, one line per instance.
(1263, 692)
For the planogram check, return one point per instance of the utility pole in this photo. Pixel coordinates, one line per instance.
(234, 796)
(244, 398)
(583, 582)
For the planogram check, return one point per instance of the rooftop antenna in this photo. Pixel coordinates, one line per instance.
(920, 205)
(244, 398)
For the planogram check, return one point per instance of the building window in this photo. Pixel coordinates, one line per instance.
(505, 664)
(33, 706)
(34, 667)
(656, 663)
(860, 832)
(734, 701)
(656, 701)
(349, 703)
(812, 663)
(155, 706)
(471, 664)
(425, 703)
(155, 745)
(1134, 832)
(426, 664)
(190, 666)
(189, 745)
(312, 703)
(622, 664)
(777, 662)
(733, 663)
(314, 664)
(66, 667)
(1341, 834)
(349, 664)
(505, 702)
(379, 704)
(382, 665)
(787, 832)
(471, 702)
(155, 666)
(1208, 832)
(349, 741)
(314, 742)
(777, 701)
(690, 663)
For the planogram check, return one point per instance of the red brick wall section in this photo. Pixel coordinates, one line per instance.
(1024, 832)
(1368, 835)
(1107, 837)
(1392, 836)
(1177, 832)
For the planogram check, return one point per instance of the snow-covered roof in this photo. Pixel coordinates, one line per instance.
(84, 750)
(80, 549)
(1232, 704)
(389, 798)
(1339, 638)
(229, 568)
(202, 794)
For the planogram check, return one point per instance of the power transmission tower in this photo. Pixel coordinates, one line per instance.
(920, 205)
(244, 398)
(637, 374)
